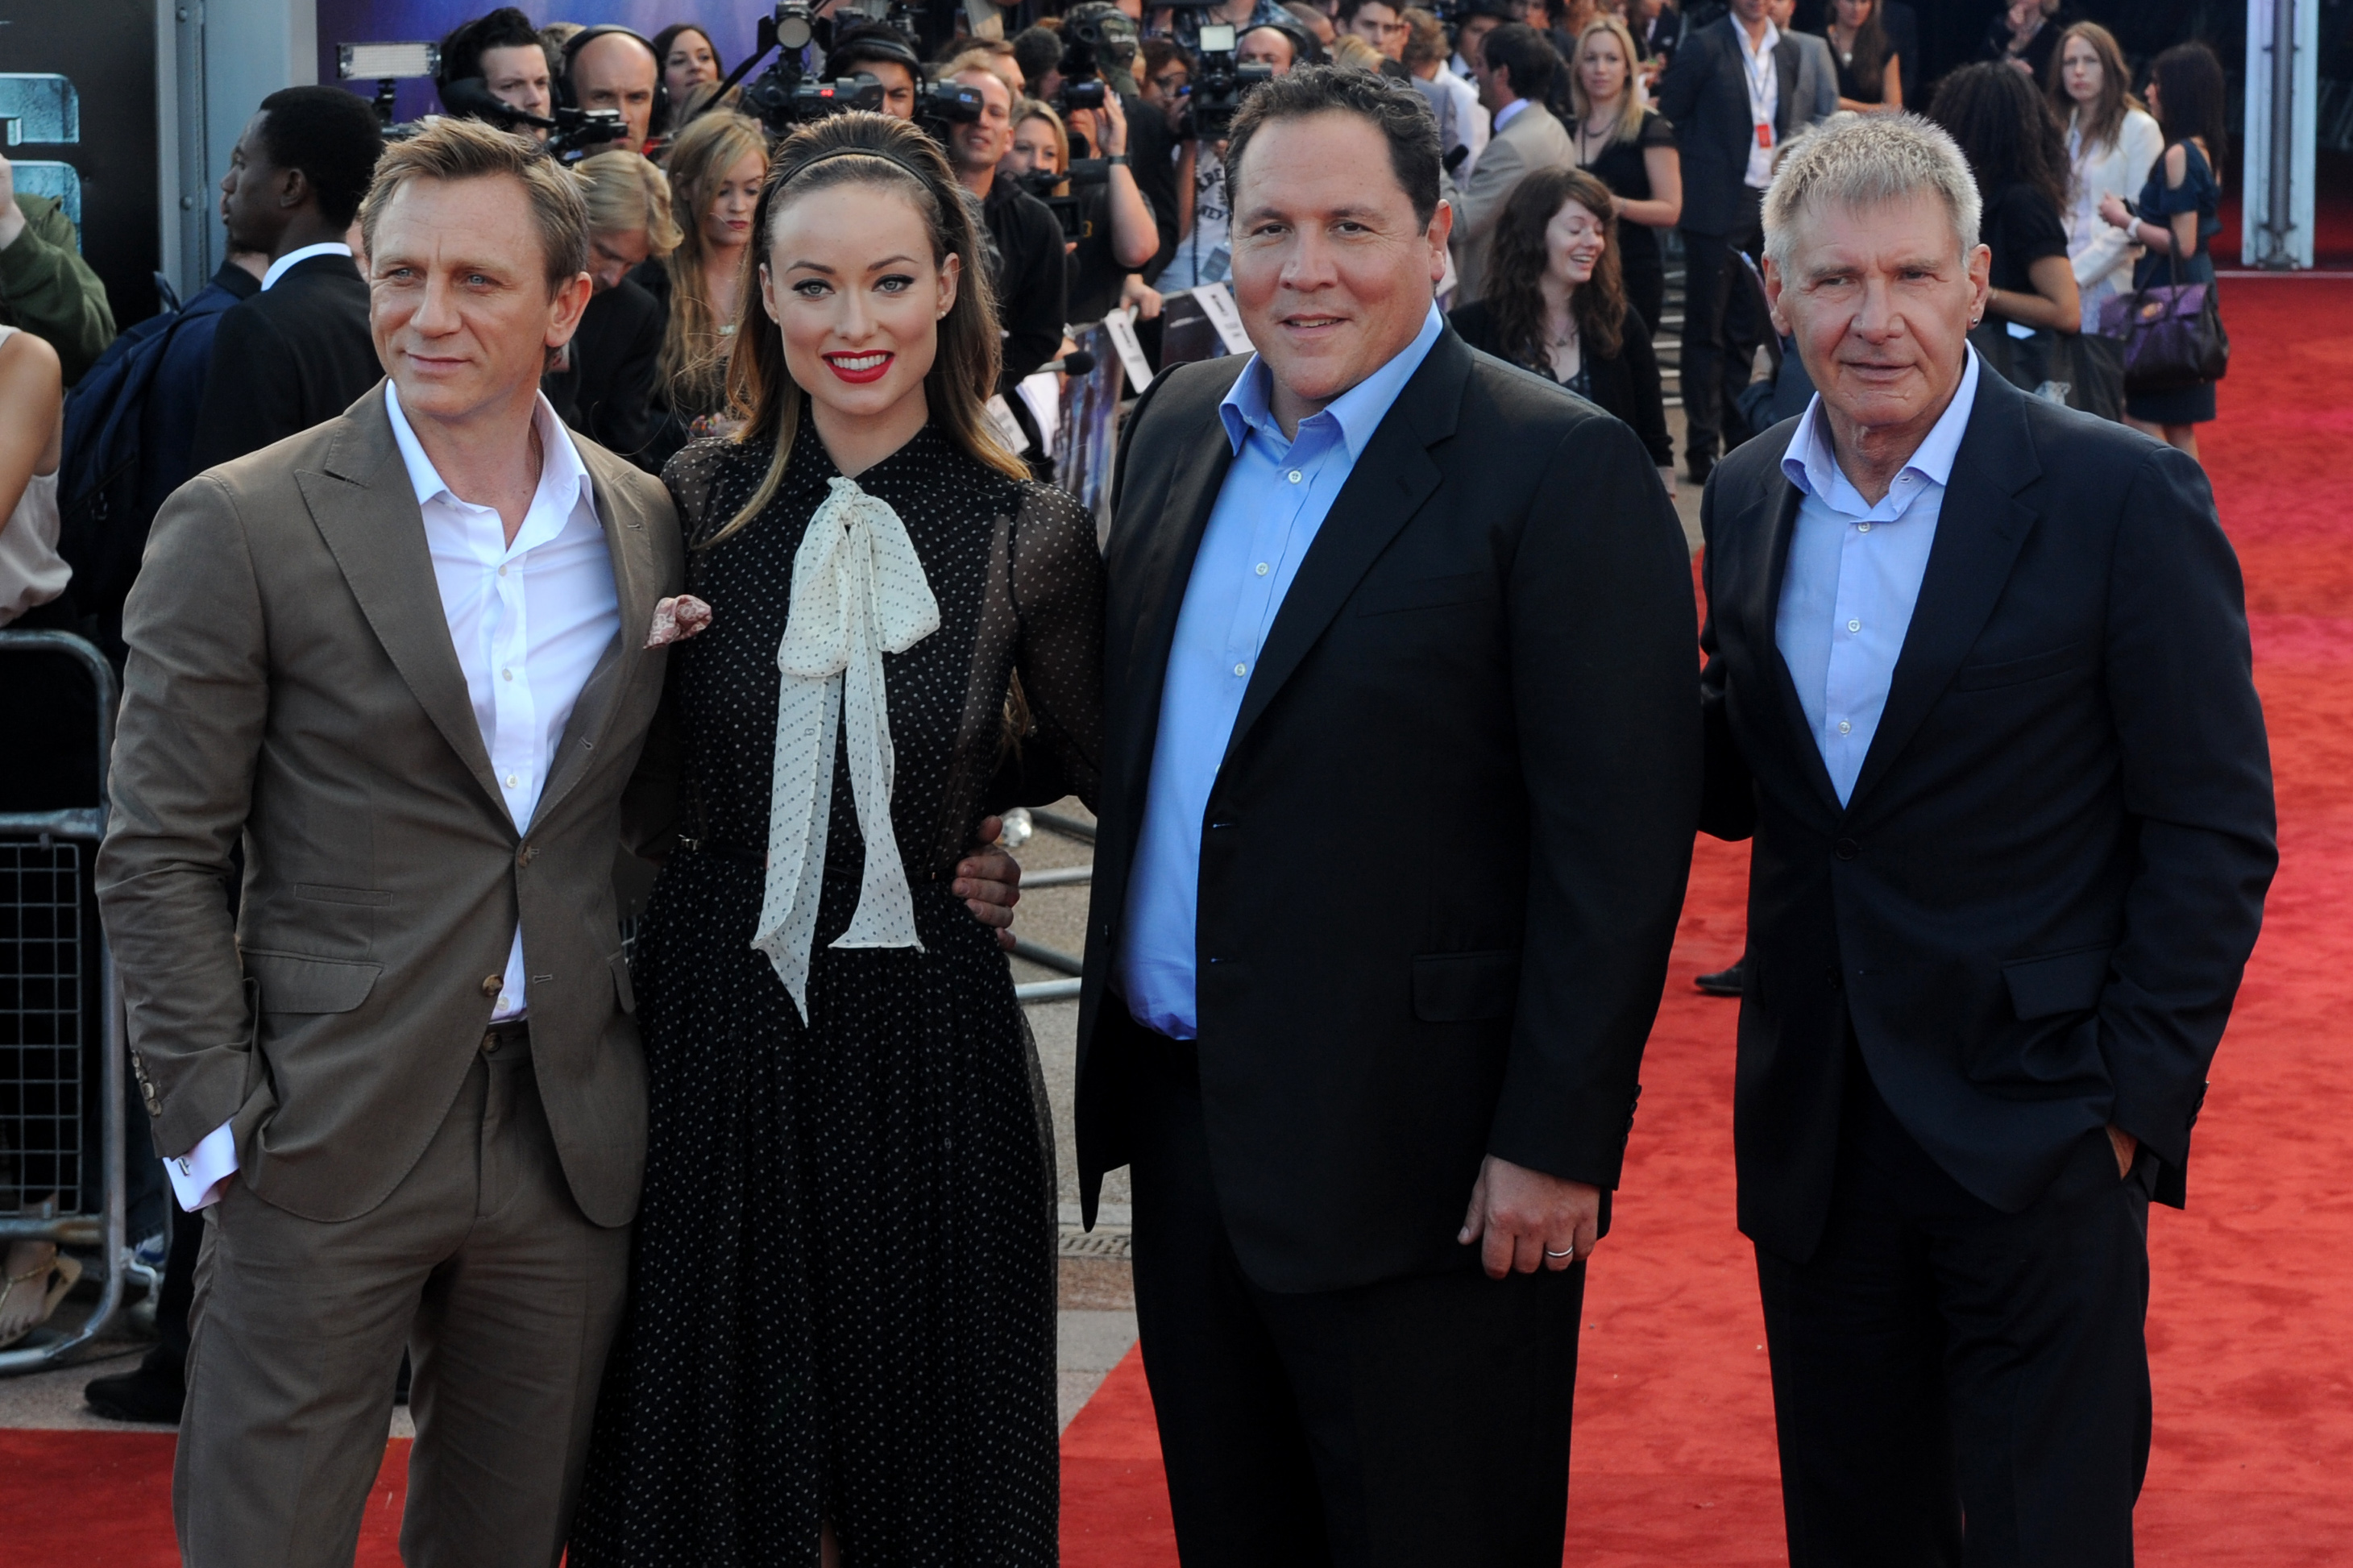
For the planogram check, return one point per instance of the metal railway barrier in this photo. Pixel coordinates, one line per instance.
(1018, 824)
(49, 952)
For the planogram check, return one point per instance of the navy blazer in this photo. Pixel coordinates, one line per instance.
(2034, 908)
(1486, 658)
(1704, 96)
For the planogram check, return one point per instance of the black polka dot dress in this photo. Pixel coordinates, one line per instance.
(843, 1303)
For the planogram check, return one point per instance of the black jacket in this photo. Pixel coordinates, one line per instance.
(2034, 908)
(1031, 277)
(1487, 654)
(295, 355)
(605, 392)
(1704, 95)
(1626, 383)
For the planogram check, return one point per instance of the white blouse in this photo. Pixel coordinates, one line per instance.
(2101, 253)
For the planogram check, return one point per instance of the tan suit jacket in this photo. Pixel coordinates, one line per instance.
(1532, 140)
(291, 680)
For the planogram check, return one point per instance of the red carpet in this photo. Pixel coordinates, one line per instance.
(2251, 1315)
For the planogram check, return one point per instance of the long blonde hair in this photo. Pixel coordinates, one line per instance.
(1629, 103)
(873, 150)
(694, 352)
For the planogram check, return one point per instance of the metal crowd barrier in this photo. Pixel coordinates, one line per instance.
(47, 1025)
(1020, 822)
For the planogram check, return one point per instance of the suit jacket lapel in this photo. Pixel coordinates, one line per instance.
(1762, 626)
(1980, 529)
(363, 508)
(601, 698)
(1391, 481)
(1164, 569)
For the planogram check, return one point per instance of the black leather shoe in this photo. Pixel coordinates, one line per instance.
(1724, 982)
(152, 1393)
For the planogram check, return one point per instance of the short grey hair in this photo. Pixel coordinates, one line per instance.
(1863, 161)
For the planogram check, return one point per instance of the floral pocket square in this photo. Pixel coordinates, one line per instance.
(675, 620)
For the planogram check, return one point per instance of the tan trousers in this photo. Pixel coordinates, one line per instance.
(507, 1298)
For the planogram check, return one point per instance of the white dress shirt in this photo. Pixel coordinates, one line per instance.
(529, 622)
(1764, 98)
(2102, 254)
(293, 258)
(1853, 578)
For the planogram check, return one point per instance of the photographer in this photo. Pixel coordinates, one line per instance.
(613, 68)
(1101, 41)
(1030, 273)
(879, 52)
(502, 49)
(1115, 236)
(1204, 243)
(602, 384)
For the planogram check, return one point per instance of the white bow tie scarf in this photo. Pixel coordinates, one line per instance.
(858, 592)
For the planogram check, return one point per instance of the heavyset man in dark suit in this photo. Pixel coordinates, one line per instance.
(1731, 94)
(1978, 682)
(298, 353)
(1375, 574)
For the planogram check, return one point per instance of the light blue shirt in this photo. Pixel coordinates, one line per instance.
(1853, 576)
(1267, 514)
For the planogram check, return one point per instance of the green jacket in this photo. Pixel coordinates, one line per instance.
(46, 288)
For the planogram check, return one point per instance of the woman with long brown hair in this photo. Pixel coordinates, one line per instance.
(716, 167)
(2111, 144)
(1554, 302)
(1870, 72)
(842, 1336)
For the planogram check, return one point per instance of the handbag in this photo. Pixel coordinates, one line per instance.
(2172, 334)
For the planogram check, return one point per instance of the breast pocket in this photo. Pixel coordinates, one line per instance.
(2065, 659)
(1391, 598)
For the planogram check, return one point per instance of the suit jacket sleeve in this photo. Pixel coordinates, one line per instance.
(196, 697)
(254, 390)
(1499, 169)
(2197, 783)
(1599, 606)
(1679, 86)
(1728, 802)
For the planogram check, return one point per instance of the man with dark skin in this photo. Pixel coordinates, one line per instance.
(298, 351)
(616, 70)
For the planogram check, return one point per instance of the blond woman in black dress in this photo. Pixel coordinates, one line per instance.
(842, 1339)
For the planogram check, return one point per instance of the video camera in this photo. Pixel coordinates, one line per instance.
(572, 135)
(1069, 210)
(1081, 65)
(942, 106)
(1219, 85)
(784, 99)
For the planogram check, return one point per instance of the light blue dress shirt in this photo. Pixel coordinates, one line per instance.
(1267, 514)
(1853, 576)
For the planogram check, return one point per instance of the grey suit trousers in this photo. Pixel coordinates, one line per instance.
(507, 1296)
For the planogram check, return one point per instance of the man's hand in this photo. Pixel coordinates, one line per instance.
(1111, 123)
(2126, 1146)
(1529, 1219)
(989, 882)
(12, 217)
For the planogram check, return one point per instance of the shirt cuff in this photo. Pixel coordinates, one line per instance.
(200, 1176)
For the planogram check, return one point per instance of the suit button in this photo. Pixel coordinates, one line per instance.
(1831, 977)
(527, 854)
(490, 983)
(490, 1045)
(1843, 850)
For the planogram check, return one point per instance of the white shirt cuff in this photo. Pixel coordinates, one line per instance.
(199, 1176)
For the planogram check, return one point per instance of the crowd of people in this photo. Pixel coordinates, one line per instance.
(510, 499)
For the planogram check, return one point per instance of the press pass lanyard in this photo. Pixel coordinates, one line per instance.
(1758, 69)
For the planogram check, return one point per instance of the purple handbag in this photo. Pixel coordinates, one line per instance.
(2172, 335)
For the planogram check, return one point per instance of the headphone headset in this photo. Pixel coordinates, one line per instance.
(586, 36)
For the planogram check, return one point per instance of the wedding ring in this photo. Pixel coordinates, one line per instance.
(1550, 1253)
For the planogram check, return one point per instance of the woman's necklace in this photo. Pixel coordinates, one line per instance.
(1608, 115)
(1561, 339)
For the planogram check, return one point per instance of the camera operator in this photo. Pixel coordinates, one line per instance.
(1118, 235)
(602, 384)
(879, 52)
(1204, 244)
(502, 49)
(1030, 278)
(1101, 39)
(1038, 52)
(613, 68)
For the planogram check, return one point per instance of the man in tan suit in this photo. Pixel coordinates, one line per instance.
(1515, 71)
(401, 655)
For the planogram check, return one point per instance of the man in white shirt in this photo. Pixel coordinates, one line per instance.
(401, 657)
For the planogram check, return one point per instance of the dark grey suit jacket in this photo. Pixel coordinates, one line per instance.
(1704, 95)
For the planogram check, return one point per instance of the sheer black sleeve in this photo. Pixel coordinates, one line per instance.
(1057, 601)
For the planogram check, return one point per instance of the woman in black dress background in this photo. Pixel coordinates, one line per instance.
(1870, 74)
(1552, 303)
(1631, 151)
(841, 1332)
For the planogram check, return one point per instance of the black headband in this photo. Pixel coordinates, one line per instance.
(832, 153)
